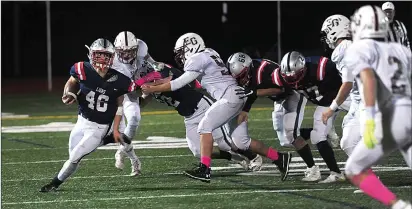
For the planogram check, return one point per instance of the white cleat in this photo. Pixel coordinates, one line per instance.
(136, 167)
(256, 163)
(334, 177)
(400, 204)
(239, 159)
(333, 139)
(119, 156)
(358, 191)
(312, 174)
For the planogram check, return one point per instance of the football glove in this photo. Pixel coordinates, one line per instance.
(369, 137)
(244, 92)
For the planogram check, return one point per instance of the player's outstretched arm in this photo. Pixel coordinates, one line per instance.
(369, 86)
(173, 85)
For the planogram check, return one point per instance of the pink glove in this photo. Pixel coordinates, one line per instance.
(148, 78)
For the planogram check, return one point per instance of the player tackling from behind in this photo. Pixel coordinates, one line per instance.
(100, 104)
(383, 74)
(206, 65)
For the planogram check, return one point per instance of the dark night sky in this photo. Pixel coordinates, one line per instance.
(159, 24)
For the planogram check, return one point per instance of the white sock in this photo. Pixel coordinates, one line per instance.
(67, 170)
(128, 150)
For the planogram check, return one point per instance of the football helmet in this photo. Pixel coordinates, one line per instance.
(293, 68)
(334, 28)
(239, 65)
(369, 22)
(187, 45)
(101, 54)
(389, 10)
(126, 46)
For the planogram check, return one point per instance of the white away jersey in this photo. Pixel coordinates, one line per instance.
(337, 58)
(214, 76)
(137, 66)
(392, 63)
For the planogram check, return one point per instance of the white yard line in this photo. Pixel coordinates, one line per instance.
(183, 195)
(91, 159)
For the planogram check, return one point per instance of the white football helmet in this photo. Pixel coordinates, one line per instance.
(334, 28)
(239, 65)
(101, 54)
(293, 68)
(369, 22)
(187, 45)
(126, 46)
(389, 10)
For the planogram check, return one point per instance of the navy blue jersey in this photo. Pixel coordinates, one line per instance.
(321, 83)
(261, 78)
(185, 99)
(98, 96)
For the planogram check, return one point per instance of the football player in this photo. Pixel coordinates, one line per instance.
(383, 74)
(319, 81)
(192, 105)
(335, 36)
(131, 59)
(206, 65)
(256, 76)
(100, 104)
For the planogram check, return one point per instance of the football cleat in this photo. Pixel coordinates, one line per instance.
(136, 167)
(240, 160)
(256, 163)
(312, 174)
(201, 172)
(400, 204)
(50, 187)
(283, 164)
(119, 156)
(334, 177)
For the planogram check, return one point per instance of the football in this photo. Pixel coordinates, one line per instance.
(70, 93)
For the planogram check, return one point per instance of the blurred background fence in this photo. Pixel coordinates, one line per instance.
(227, 27)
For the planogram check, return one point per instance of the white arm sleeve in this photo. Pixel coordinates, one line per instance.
(183, 80)
(347, 76)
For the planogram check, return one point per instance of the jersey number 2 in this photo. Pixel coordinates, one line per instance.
(101, 101)
(397, 80)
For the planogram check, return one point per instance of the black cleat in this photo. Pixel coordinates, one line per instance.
(283, 164)
(201, 172)
(50, 187)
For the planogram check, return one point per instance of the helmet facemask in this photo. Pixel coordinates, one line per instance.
(243, 78)
(126, 55)
(293, 78)
(101, 60)
(179, 55)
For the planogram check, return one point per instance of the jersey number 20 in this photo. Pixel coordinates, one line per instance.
(102, 100)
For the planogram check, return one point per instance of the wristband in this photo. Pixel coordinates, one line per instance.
(334, 106)
(119, 111)
(370, 112)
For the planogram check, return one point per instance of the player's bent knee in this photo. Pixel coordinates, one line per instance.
(241, 142)
(222, 144)
(316, 137)
(134, 120)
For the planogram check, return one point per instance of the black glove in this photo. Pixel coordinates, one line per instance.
(244, 92)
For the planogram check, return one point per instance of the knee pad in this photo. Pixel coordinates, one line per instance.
(291, 128)
(240, 136)
(223, 144)
(316, 137)
(133, 120)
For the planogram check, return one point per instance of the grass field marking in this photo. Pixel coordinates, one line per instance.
(186, 195)
(91, 159)
(162, 112)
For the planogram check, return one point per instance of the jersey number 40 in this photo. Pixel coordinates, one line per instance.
(102, 100)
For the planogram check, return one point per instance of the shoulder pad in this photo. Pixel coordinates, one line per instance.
(276, 77)
(321, 69)
(80, 70)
